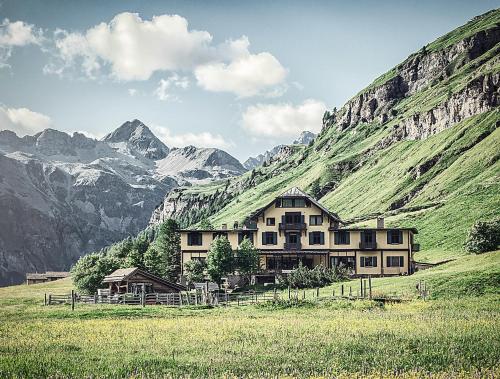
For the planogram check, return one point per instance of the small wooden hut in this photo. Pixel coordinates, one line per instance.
(136, 281)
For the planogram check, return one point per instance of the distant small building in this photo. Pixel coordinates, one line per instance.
(134, 280)
(49, 276)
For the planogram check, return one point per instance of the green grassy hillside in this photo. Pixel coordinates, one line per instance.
(440, 184)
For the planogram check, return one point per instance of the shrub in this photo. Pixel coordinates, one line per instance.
(483, 236)
(319, 276)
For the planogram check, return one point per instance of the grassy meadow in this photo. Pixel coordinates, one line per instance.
(455, 334)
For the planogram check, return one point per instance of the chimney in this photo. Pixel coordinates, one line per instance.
(224, 227)
(380, 223)
(235, 225)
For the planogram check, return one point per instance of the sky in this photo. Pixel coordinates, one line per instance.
(243, 76)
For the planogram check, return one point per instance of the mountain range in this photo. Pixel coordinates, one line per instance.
(419, 145)
(62, 196)
(278, 152)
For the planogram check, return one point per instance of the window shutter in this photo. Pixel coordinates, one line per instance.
(401, 261)
(240, 237)
(362, 262)
(388, 262)
(275, 238)
(348, 237)
(264, 242)
(389, 237)
(251, 238)
(375, 262)
(283, 219)
(322, 238)
(200, 240)
(302, 219)
(400, 236)
(311, 238)
(336, 238)
(190, 239)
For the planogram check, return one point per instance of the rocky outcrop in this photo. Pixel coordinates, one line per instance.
(420, 70)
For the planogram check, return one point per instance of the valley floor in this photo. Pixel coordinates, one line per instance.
(455, 334)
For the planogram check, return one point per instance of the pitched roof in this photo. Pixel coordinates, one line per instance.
(57, 274)
(124, 273)
(32, 275)
(297, 192)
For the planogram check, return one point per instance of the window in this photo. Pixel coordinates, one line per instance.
(316, 220)
(398, 261)
(316, 238)
(292, 218)
(291, 203)
(394, 237)
(368, 236)
(201, 259)
(242, 235)
(219, 234)
(368, 261)
(269, 238)
(270, 221)
(349, 262)
(342, 237)
(292, 238)
(194, 239)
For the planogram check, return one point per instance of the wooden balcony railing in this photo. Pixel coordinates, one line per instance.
(363, 245)
(292, 226)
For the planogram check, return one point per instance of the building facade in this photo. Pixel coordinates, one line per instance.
(296, 228)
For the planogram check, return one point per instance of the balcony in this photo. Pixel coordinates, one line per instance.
(292, 246)
(364, 245)
(415, 247)
(292, 226)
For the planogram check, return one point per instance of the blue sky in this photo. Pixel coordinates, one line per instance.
(239, 75)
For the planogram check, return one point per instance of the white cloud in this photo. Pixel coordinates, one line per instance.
(162, 92)
(204, 139)
(15, 34)
(23, 121)
(245, 76)
(134, 49)
(132, 91)
(283, 120)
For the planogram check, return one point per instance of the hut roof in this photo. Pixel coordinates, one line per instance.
(125, 273)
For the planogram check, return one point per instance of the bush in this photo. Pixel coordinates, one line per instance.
(484, 236)
(319, 276)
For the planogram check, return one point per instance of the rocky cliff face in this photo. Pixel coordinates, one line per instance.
(62, 196)
(419, 73)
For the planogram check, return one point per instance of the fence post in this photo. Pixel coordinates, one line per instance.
(350, 291)
(274, 295)
(361, 283)
(289, 295)
(72, 300)
(45, 299)
(342, 290)
(370, 285)
(50, 298)
(364, 288)
(143, 298)
(333, 293)
(317, 292)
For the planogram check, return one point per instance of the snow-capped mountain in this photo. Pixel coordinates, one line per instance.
(304, 139)
(62, 196)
